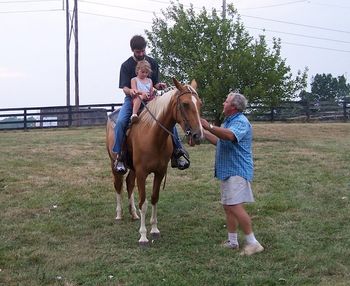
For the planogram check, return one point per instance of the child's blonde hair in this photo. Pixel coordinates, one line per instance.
(143, 65)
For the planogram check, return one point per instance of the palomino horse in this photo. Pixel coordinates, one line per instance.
(150, 147)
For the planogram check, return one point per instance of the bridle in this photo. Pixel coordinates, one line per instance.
(179, 107)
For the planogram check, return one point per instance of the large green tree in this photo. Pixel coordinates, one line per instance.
(325, 87)
(221, 55)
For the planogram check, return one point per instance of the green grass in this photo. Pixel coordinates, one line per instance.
(57, 207)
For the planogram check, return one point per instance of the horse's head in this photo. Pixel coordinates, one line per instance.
(188, 106)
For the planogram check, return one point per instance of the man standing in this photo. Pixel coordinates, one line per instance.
(234, 168)
(127, 72)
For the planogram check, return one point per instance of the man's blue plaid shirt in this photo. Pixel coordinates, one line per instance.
(235, 158)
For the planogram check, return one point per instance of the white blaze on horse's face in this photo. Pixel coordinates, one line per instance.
(194, 99)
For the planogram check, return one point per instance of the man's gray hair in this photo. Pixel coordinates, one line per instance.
(238, 100)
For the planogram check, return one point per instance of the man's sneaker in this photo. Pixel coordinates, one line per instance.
(119, 167)
(134, 118)
(228, 244)
(250, 249)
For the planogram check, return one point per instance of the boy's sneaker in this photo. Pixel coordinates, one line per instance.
(228, 244)
(250, 249)
(134, 118)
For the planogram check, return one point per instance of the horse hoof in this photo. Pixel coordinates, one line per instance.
(135, 218)
(155, 235)
(118, 220)
(143, 244)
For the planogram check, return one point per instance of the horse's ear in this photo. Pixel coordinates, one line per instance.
(194, 84)
(177, 84)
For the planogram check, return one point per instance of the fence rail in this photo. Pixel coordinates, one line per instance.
(96, 114)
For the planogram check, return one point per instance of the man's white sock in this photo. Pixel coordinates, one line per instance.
(233, 238)
(250, 238)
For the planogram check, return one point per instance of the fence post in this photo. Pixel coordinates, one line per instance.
(272, 117)
(69, 116)
(25, 118)
(344, 110)
(307, 110)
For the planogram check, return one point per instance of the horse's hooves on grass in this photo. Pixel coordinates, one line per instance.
(135, 218)
(143, 244)
(118, 220)
(155, 235)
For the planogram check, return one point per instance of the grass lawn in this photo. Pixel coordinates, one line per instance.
(57, 207)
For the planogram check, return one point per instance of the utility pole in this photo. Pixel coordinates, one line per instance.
(67, 56)
(72, 25)
(76, 55)
(224, 9)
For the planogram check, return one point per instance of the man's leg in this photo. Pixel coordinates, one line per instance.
(252, 245)
(120, 130)
(231, 225)
(180, 158)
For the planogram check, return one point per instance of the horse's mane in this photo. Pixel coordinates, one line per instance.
(157, 107)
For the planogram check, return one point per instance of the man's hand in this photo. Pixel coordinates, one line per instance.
(133, 92)
(205, 124)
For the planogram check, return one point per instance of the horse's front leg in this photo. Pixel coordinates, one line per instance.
(141, 185)
(130, 185)
(155, 233)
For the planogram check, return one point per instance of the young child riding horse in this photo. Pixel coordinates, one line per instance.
(180, 158)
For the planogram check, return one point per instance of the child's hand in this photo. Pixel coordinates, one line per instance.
(144, 95)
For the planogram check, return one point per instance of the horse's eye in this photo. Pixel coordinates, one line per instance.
(185, 105)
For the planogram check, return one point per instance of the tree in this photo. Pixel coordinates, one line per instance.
(325, 87)
(221, 55)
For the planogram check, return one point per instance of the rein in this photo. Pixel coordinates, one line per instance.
(179, 106)
(154, 118)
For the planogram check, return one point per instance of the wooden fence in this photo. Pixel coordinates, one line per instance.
(96, 114)
(300, 111)
(55, 116)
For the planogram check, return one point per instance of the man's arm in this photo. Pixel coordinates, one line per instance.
(129, 91)
(125, 80)
(218, 132)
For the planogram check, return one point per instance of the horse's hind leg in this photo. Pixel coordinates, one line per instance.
(130, 185)
(118, 185)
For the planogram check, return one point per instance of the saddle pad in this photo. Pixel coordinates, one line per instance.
(114, 115)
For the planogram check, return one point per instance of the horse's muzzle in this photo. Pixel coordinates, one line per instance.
(194, 138)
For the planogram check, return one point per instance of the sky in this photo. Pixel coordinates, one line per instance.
(314, 34)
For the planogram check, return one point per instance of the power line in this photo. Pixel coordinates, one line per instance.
(288, 43)
(332, 5)
(299, 35)
(30, 11)
(316, 47)
(147, 22)
(275, 5)
(296, 24)
(115, 17)
(27, 1)
(115, 6)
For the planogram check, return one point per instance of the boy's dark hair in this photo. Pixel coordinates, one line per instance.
(137, 42)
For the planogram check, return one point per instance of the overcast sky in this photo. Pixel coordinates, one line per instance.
(314, 33)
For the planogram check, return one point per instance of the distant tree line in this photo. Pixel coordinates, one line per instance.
(325, 87)
(16, 122)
